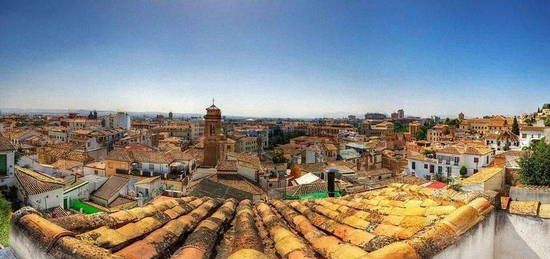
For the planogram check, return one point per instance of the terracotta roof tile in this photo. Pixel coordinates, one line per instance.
(395, 222)
(34, 182)
(5, 144)
(529, 208)
(544, 211)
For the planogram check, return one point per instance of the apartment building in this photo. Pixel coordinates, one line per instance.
(448, 160)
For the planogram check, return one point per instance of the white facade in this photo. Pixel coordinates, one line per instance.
(448, 165)
(93, 171)
(118, 120)
(154, 168)
(526, 137)
(499, 145)
(79, 192)
(58, 136)
(9, 178)
(44, 201)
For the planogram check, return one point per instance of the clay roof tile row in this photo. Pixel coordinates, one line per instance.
(400, 221)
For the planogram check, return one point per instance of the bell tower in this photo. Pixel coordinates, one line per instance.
(214, 140)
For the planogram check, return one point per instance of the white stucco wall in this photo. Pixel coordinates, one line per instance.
(477, 243)
(9, 179)
(46, 200)
(503, 236)
(522, 237)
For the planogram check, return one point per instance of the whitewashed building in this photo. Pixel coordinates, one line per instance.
(7, 162)
(528, 134)
(118, 120)
(449, 160)
(38, 190)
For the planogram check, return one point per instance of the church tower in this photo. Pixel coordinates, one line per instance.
(214, 140)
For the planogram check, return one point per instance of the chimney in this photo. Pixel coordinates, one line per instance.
(330, 182)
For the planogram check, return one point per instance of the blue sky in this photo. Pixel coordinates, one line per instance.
(276, 58)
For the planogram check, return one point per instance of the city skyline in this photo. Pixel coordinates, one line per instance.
(271, 59)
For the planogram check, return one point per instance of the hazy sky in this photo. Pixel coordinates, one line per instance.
(276, 58)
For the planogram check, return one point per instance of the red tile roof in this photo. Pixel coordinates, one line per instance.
(436, 185)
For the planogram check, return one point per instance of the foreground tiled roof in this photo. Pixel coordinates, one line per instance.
(401, 221)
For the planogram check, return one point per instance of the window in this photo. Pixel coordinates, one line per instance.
(448, 171)
(457, 159)
(151, 167)
(476, 160)
(413, 165)
(439, 169)
(523, 135)
(425, 166)
(3, 165)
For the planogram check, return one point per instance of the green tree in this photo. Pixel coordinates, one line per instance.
(429, 153)
(515, 126)
(547, 121)
(463, 171)
(535, 164)
(18, 154)
(456, 187)
(439, 177)
(420, 135)
(5, 210)
(278, 156)
(506, 146)
(422, 132)
(400, 127)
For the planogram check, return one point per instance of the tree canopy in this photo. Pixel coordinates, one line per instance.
(463, 171)
(515, 126)
(5, 209)
(535, 164)
(400, 127)
(422, 133)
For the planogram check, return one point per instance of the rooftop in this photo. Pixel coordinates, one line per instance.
(482, 176)
(5, 144)
(400, 221)
(34, 182)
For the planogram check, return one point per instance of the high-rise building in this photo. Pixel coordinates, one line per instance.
(400, 114)
(214, 139)
(118, 120)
